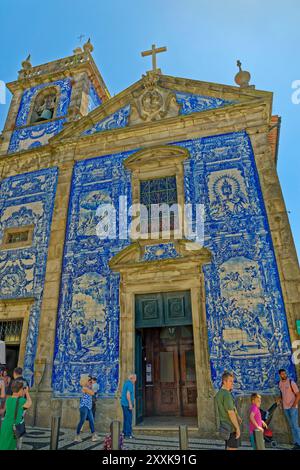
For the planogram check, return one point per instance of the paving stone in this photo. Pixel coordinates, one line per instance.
(39, 439)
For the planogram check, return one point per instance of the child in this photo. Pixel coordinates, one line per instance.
(255, 421)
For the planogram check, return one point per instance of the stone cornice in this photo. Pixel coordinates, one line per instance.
(214, 89)
(22, 300)
(252, 117)
(66, 67)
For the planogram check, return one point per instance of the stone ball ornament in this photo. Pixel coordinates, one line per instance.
(242, 78)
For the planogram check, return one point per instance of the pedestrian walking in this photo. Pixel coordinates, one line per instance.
(289, 399)
(229, 418)
(127, 403)
(85, 408)
(14, 410)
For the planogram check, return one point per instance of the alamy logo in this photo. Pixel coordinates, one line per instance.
(296, 352)
(168, 221)
(2, 92)
(296, 94)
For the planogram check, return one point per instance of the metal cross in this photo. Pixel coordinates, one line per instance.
(153, 52)
(81, 37)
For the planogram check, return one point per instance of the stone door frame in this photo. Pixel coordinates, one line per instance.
(177, 274)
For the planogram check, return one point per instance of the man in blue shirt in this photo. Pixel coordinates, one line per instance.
(127, 402)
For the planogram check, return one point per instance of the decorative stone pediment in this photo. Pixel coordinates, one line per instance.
(156, 97)
(155, 157)
(146, 252)
(152, 102)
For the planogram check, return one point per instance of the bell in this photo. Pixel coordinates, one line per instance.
(46, 114)
(34, 117)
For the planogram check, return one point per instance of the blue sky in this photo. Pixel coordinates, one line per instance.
(204, 39)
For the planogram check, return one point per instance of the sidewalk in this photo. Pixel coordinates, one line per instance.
(39, 438)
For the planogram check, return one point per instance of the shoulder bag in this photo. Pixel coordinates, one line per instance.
(18, 429)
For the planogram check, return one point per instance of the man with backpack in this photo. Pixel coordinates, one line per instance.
(289, 397)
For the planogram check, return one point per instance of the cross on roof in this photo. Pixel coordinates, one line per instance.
(153, 52)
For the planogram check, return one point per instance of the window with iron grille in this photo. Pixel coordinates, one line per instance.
(10, 331)
(158, 191)
(16, 237)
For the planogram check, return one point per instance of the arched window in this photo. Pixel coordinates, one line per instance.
(44, 106)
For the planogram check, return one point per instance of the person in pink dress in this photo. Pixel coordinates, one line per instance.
(255, 420)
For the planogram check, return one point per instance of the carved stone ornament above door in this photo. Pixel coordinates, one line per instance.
(152, 102)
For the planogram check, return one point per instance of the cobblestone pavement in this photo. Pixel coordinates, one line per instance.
(39, 438)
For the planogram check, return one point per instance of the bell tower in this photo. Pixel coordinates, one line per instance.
(47, 97)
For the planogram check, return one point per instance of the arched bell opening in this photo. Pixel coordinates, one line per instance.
(44, 106)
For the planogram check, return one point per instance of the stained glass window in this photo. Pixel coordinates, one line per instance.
(159, 191)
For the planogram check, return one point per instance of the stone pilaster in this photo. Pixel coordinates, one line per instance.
(80, 96)
(10, 122)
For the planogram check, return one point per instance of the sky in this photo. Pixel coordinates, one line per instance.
(204, 39)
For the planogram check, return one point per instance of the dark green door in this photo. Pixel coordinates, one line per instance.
(139, 380)
(163, 309)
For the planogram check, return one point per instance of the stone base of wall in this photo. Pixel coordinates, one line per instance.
(107, 411)
(110, 409)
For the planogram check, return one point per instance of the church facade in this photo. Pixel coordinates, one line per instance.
(176, 311)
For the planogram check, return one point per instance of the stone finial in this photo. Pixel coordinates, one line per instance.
(151, 78)
(88, 46)
(77, 50)
(242, 78)
(26, 64)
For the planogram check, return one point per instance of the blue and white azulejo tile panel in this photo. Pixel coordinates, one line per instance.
(116, 120)
(34, 136)
(94, 99)
(247, 324)
(87, 338)
(192, 103)
(247, 327)
(27, 199)
(160, 251)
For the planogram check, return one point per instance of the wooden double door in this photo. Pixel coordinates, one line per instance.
(169, 378)
(165, 362)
